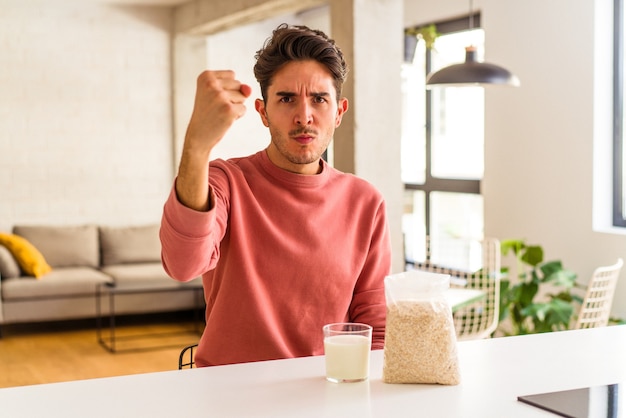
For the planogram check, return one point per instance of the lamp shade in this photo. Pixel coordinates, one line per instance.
(471, 73)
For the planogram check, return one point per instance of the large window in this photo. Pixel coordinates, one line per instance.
(619, 156)
(442, 144)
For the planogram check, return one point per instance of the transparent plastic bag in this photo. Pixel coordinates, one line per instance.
(420, 340)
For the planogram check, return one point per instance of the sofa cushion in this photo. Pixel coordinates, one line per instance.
(131, 244)
(60, 282)
(30, 260)
(64, 246)
(139, 273)
(8, 265)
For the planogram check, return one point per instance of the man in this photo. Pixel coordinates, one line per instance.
(284, 242)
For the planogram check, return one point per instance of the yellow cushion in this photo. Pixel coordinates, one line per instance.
(29, 258)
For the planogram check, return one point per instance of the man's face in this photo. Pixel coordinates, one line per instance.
(301, 112)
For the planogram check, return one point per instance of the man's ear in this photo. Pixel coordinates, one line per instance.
(259, 105)
(342, 107)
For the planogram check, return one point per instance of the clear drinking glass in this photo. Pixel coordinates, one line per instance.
(347, 351)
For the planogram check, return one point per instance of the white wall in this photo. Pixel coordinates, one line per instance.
(85, 114)
(541, 138)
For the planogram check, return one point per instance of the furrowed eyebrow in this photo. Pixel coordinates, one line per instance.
(291, 94)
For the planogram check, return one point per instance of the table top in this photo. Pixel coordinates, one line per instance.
(460, 297)
(494, 372)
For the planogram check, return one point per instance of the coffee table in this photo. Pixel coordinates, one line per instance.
(112, 290)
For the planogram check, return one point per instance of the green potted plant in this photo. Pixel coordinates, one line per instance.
(530, 309)
(428, 33)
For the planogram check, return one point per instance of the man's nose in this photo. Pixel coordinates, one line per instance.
(304, 114)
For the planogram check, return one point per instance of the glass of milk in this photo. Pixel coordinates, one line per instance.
(347, 351)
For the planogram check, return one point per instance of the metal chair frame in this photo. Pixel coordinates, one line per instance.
(186, 357)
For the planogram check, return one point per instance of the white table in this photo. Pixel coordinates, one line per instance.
(494, 372)
(460, 297)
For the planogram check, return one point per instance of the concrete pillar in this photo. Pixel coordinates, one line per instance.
(189, 59)
(367, 143)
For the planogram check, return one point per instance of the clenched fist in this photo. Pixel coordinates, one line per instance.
(219, 102)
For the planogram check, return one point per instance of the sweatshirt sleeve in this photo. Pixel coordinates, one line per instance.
(188, 249)
(368, 302)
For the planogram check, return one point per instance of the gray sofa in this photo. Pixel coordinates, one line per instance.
(81, 258)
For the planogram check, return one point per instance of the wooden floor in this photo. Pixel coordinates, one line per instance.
(57, 352)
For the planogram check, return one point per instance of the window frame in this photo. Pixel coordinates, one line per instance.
(619, 212)
(434, 184)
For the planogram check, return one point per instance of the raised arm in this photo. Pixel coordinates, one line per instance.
(219, 102)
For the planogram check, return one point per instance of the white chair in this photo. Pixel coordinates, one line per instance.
(472, 264)
(596, 306)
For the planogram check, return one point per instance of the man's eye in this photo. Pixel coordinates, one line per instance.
(286, 99)
(320, 99)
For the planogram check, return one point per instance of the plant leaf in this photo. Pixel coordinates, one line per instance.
(518, 293)
(525, 293)
(515, 245)
(533, 255)
(560, 314)
(563, 278)
(551, 267)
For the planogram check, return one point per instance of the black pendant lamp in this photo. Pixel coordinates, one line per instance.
(471, 72)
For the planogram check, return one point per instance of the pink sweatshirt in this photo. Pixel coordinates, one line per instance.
(280, 254)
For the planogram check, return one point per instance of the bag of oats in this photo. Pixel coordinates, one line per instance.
(420, 340)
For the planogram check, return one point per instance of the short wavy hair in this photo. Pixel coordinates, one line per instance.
(298, 43)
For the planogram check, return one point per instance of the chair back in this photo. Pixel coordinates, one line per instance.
(185, 358)
(473, 264)
(596, 306)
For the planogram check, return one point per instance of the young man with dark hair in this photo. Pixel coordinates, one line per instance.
(284, 242)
